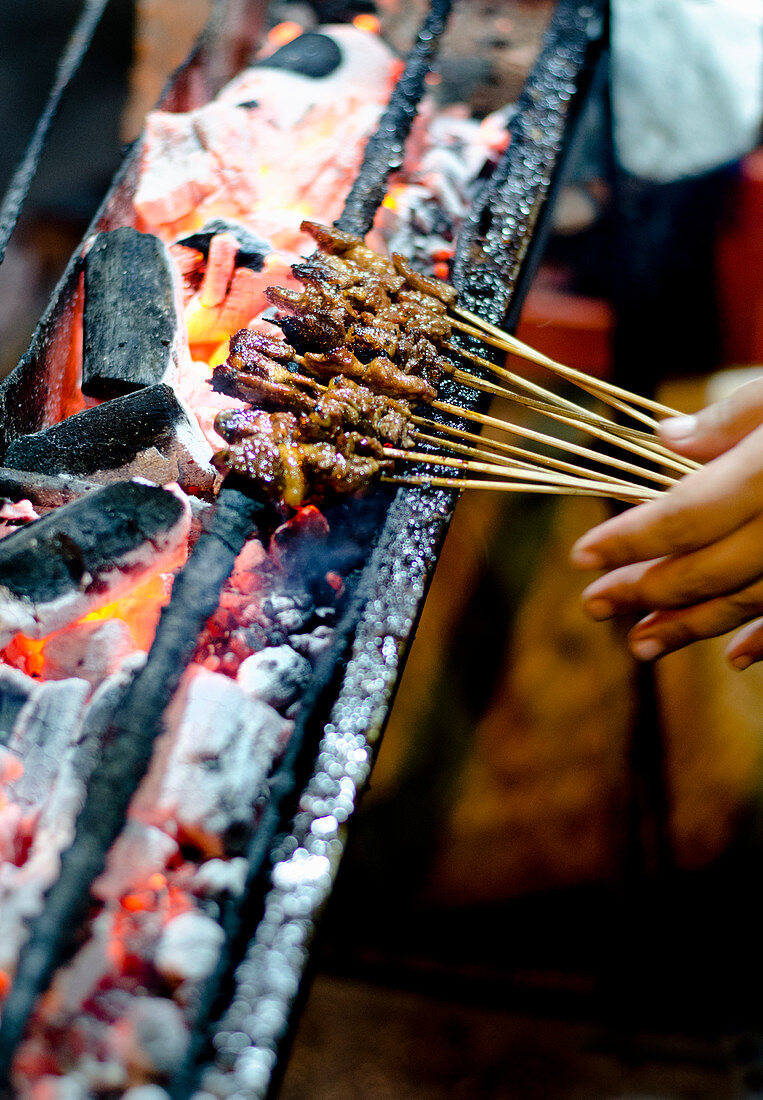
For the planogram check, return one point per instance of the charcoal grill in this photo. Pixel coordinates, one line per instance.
(244, 1017)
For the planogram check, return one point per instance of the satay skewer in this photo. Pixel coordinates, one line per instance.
(581, 422)
(523, 487)
(511, 344)
(497, 456)
(552, 441)
(519, 471)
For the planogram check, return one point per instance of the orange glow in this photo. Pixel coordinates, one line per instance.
(432, 79)
(283, 33)
(392, 199)
(5, 984)
(367, 22)
(133, 903)
(139, 609)
(156, 881)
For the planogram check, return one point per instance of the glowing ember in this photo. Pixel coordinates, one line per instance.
(283, 33)
(365, 21)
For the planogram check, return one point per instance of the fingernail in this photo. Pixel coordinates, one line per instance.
(586, 559)
(678, 427)
(646, 649)
(599, 608)
(742, 661)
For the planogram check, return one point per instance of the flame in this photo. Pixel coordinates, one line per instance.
(365, 21)
(284, 33)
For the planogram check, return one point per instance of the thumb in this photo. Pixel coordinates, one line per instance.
(718, 427)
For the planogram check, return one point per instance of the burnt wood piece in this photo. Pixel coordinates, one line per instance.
(128, 745)
(149, 433)
(131, 331)
(252, 250)
(385, 148)
(43, 491)
(84, 554)
(47, 492)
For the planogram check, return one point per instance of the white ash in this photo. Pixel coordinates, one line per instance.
(42, 735)
(16, 688)
(312, 645)
(138, 852)
(275, 675)
(154, 1037)
(188, 948)
(216, 877)
(220, 745)
(90, 650)
(147, 1092)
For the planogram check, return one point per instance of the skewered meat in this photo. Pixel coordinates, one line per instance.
(360, 348)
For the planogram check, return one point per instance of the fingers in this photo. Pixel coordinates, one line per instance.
(723, 567)
(666, 631)
(719, 426)
(702, 508)
(747, 646)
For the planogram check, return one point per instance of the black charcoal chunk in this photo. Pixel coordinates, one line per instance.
(310, 54)
(131, 320)
(149, 433)
(87, 553)
(253, 249)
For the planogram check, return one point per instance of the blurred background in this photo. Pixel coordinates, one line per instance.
(552, 890)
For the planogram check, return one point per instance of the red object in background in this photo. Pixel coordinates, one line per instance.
(569, 328)
(740, 268)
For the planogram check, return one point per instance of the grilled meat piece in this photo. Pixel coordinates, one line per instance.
(294, 470)
(436, 288)
(260, 391)
(380, 375)
(347, 405)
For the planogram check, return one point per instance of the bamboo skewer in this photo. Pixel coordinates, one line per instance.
(512, 462)
(647, 439)
(520, 472)
(508, 448)
(517, 347)
(566, 418)
(550, 440)
(523, 487)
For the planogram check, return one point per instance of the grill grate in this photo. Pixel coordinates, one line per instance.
(334, 742)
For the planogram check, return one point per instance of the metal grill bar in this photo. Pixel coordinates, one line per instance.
(75, 50)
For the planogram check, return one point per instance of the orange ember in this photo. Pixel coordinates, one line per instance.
(367, 22)
(283, 33)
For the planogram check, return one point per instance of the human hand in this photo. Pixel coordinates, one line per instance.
(693, 558)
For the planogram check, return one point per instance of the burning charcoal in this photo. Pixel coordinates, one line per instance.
(220, 744)
(252, 249)
(189, 948)
(15, 690)
(90, 650)
(132, 334)
(87, 553)
(150, 434)
(139, 852)
(275, 675)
